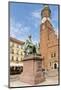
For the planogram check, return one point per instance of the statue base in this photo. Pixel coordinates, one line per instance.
(32, 70)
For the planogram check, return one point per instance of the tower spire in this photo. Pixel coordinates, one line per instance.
(46, 12)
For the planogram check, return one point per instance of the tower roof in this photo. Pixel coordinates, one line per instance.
(16, 41)
(46, 12)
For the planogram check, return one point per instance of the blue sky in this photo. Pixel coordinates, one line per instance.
(25, 20)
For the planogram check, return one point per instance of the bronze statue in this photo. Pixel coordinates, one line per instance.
(29, 47)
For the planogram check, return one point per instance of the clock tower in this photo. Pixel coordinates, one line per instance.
(48, 39)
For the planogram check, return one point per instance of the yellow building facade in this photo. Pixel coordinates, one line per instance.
(16, 51)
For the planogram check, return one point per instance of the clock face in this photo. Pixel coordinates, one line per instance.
(44, 19)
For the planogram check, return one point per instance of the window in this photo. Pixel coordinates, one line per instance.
(17, 52)
(17, 59)
(17, 46)
(12, 58)
(12, 51)
(21, 59)
(21, 53)
(54, 54)
(51, 55)
(11, 44)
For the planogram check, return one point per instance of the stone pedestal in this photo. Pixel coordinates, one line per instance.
(32, 70)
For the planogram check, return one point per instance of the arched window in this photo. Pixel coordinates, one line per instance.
(55, 66)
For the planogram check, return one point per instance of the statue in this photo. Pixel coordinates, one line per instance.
(29, 47)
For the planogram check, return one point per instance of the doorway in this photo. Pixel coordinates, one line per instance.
(55, 66)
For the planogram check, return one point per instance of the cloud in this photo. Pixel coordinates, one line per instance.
(18, 30)
(36, 14)
(36, 18)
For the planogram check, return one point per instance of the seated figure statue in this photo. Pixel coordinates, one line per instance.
(29, 47)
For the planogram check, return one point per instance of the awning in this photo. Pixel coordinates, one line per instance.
(16, 64)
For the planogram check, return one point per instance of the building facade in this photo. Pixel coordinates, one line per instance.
(49, 42)
(16, 51)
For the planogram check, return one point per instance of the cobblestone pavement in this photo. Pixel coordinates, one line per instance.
(15, 81)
